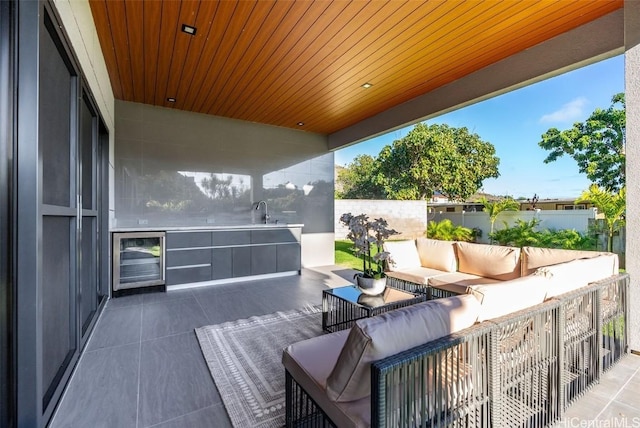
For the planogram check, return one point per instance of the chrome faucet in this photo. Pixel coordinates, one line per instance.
(266, 211)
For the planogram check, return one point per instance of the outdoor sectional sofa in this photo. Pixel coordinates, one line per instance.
(513, 351)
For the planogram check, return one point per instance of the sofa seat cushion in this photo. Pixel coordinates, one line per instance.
(569, 276)
(434, 254)
(490, 261)
(505, 297)
(310, 362)
(458, 282)
(534, 258)
(402, 255)
(419, 275)
(372, 339)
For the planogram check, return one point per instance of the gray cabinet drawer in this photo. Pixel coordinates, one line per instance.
(241, 261)
(188, 257)
(236, 237)
(263, 259)
(187, 275)
(275, 236)
(221, 263)
(288, 257)
(188, 239)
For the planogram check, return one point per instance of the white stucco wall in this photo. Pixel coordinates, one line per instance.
(632, 93)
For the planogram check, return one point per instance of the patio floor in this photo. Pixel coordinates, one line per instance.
(137, 336)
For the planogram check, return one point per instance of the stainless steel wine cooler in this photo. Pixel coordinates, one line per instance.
(138, 259)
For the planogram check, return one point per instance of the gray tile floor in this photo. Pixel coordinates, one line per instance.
(143, 366)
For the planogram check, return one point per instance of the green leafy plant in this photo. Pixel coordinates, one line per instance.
(493, 208)
(524, 234)
(611, 204)
(368, 238)
(445, 230)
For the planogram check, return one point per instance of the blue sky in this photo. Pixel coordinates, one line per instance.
(514, 124)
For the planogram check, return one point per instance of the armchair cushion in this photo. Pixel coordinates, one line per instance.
(490, 261)
(434, 254)
(419, 275)
(534, 258)
(372, 339)
(565, 277)
(402, 255)
(505, 297)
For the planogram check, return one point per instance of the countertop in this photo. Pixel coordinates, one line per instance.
(208, 228)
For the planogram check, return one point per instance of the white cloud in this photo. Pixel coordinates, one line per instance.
(570, 112)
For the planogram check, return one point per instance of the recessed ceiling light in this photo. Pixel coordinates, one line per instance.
(171, 100)
(189, 29)
(300, 123)
(367, 85)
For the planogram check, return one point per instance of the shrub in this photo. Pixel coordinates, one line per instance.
(523, 234)
(445, 230)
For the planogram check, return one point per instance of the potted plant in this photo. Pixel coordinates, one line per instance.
(367, 235)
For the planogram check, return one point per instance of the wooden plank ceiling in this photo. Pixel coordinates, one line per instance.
(290, 62)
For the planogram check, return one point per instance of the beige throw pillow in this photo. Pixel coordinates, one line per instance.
(372, 339)
(436, 254)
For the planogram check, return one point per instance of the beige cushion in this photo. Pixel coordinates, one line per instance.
(491, 261)
(505, 297)
(372, 339)
(418, 275)
(458, 282)
(436, 254)
(572, 275)
(402, 255)
(310, 362)
(534, 258)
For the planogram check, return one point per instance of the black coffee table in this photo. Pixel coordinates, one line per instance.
(343, 306)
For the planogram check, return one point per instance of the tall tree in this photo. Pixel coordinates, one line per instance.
(611, 204)
(597, 145)
(360, 179)
(439, 158)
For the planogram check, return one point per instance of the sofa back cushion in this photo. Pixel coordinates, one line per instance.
(565, 277)
(505, 297)
(534, 258)
(402, 255)
(372, 339)
(434, 254)
(491, 261)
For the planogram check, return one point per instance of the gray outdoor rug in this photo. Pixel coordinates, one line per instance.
(244, 358)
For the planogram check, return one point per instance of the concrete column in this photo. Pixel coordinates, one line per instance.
(632, 93)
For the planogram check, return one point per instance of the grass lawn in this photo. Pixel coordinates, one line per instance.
(346, 258)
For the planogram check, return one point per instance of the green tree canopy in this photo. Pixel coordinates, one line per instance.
(439, 158)
(360, 179)
(597, 145)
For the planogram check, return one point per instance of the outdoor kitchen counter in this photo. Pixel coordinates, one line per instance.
(206, 228)
(199, 256)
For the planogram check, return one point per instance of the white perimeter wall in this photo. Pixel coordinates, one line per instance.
(407, 217)
(549, 219)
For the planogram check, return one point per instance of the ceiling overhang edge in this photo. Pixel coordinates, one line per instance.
(589, 43)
